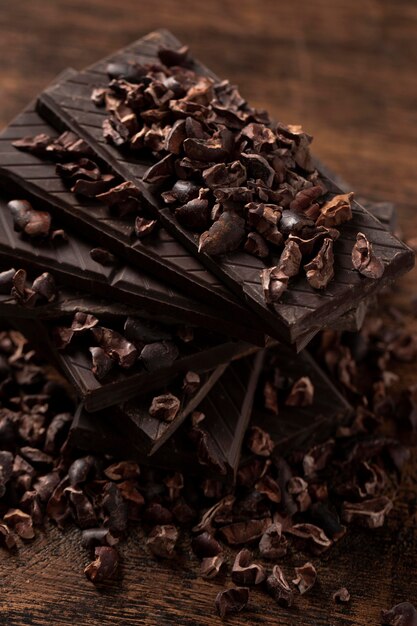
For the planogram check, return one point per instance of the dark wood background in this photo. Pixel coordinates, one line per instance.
(346, 70)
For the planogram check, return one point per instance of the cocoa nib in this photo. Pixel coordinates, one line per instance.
(403, 614)
(191, 383)
(364, 259)
(336, 211)
(306, 577)
(104, 566)
(311, 536)
(211, 566)
(205, 545)
(277, 586)
(162, 541)
(273, 545)
(165, 407)
(144, 227)
(244, 532)
(275, 279)
(259, 442)
(245, 572)
(302, 393)
(194, 215)
(320, 270)
(256, 245)
(103, 257)
(232, 601)
(26, 219)
(116, 346)
(342, 595)
(224, 235)
(370, 513)
(102, 363)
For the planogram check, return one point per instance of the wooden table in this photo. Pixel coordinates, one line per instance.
(346, 70)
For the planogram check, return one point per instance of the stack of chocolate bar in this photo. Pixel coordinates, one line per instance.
(173, 251)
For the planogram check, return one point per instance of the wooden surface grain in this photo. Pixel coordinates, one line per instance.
(345, 69)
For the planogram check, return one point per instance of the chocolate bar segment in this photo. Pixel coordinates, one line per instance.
(201, 355)
(295, 426)
(70, 262)
(227, 410)
(159, 253)
(69, 105)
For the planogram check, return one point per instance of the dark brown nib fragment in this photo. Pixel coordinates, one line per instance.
(277, 586)
(342, 595)
(212, 566)
(364, 259)
(302, 393)
(273, 545)
(165, 407)
(245, 572)
(232, 601)
(162, 541)
(103, 257)
(224, 235)
(32, 223)
(306, 577)
(370, 513)
(275, 279)
(144, 227)
(104, 566)
(320, 270)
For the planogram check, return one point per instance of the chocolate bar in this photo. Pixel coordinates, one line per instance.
(152, 370)
(69, 105)
(159, 253)
(70, 263)
(293, 427)
(227, 410)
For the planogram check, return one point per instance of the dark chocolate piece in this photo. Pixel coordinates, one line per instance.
(160, 254)
(122, 384)
(69, 105)
(226, 408)
(298, 426)
(70, 263)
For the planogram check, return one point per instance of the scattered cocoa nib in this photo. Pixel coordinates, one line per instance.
(298, 488)
(211, 566)
(102, 363)
(116, 346)
(302, 393)
(275, 279)
(21, 523)
(122, 470)
(271, 397)
(320, 270)
(311, 536)
(364, 259)
(336, 211)
(232, 601)
(155, 513)
(306, 577)
(26, 219)
(207, 450)
(403, 614)
(342, 595)
(191, 383)
(277, 586)
(273, 545)
(245, 572)
(205, 545)
(255, 244)
(104, 566)
(103, 257)
(269, 487)
(7, 538)
(244, 532)
(224, 235)
(259, 442)
(162, 541)
(45, 287)
(144, 227)
(317, 458)
(165, 407)
(370, 513)
(81, 470)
